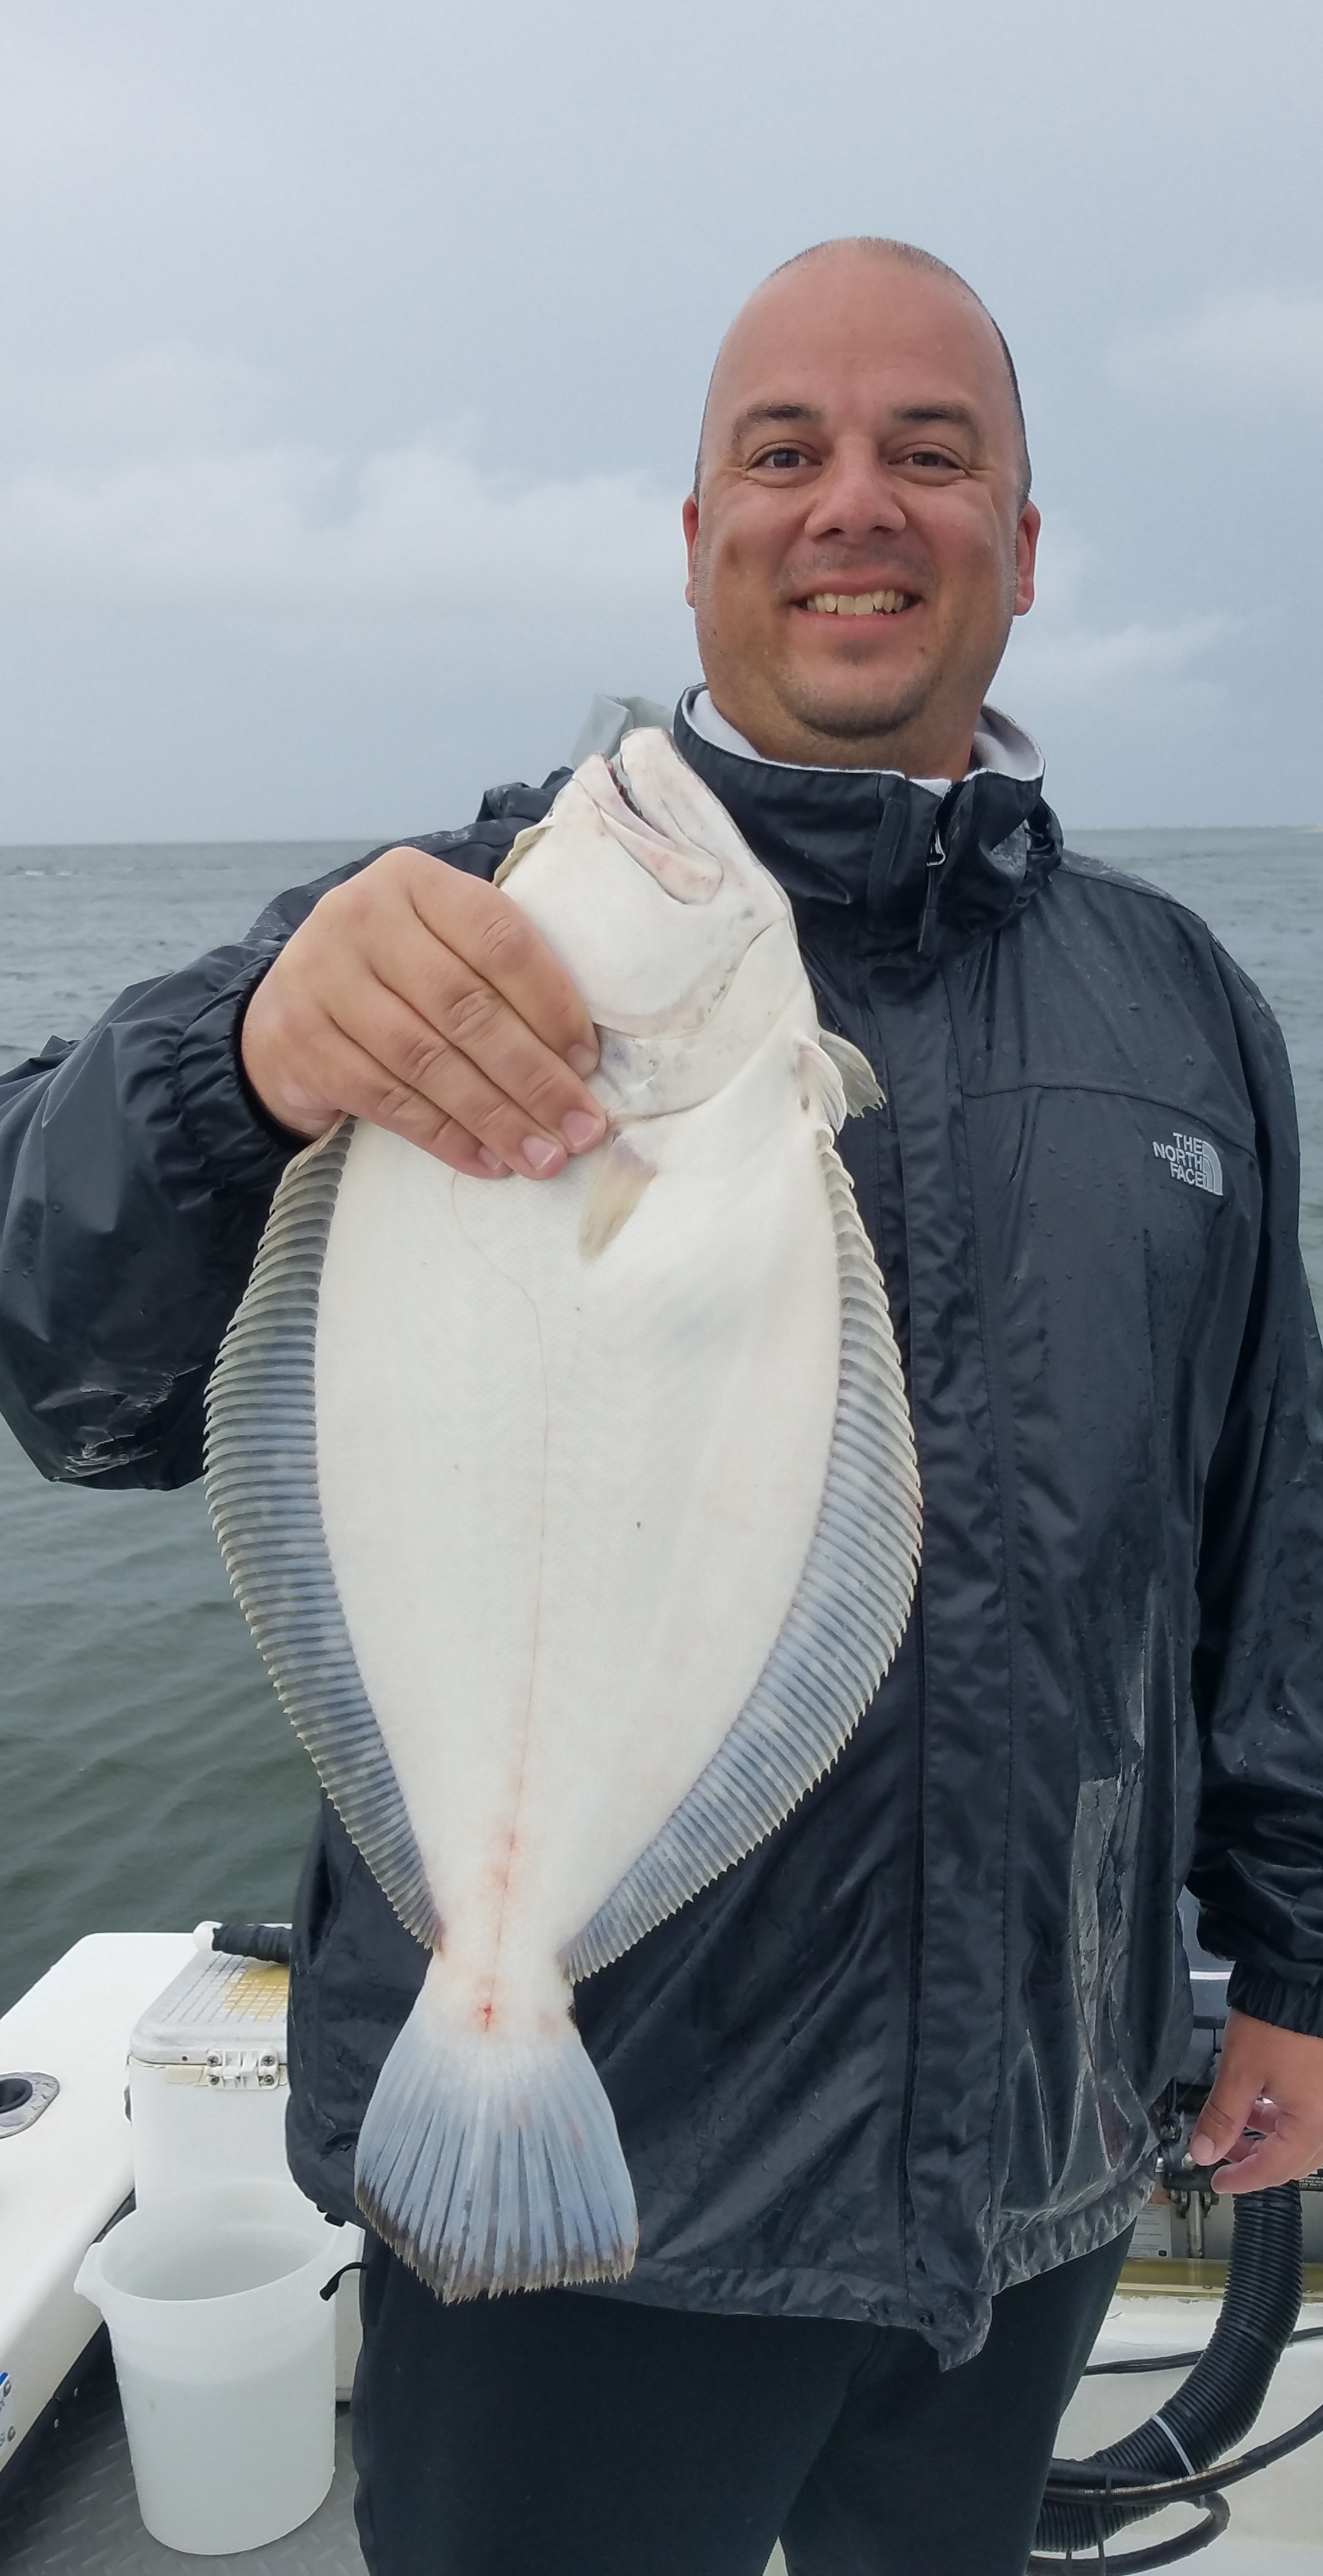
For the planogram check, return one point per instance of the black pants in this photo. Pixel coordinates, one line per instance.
(560, 2435)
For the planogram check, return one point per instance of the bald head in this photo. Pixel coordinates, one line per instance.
(860, 533)
(874, 247)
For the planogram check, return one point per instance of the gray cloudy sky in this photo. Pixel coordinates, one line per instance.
(353, 352)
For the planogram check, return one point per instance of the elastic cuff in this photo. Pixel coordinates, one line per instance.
(288, 1138)
(1274, 1999)
(227, 1124)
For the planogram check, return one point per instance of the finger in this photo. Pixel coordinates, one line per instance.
(366, 970)
(424, 1063)
(1244, 2146)
(371, 1091)
(1223, 2116)
(499, 943)
(1260, 2122)
(429, 1017)
(1276, 2159)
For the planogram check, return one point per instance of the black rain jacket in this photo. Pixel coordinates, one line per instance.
(901, 2056)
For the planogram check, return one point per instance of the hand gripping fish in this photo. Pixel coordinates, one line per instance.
(576, 1520)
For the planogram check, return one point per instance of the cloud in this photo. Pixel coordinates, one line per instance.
(169, 399)
(1249, 345)
(1067, 666)
(1059, 658)
(153, 489)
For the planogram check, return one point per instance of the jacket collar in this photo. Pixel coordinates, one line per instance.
(916, 870)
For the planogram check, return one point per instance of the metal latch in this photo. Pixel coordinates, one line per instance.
(241, 2070)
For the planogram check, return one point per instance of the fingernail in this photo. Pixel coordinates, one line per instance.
(579, 1129)
(491, 1162)
(1202, 2150)
(542, 1154)
(582, 1060)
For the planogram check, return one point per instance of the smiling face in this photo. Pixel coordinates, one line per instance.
(859, 542)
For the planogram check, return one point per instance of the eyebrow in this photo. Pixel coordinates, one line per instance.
(911, 416)
(765, 415)
(918, 415)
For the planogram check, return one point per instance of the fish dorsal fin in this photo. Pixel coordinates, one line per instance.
(839, 1634)
(261, 1478)
(619, 1181)
(519, 848)
(858, 1080)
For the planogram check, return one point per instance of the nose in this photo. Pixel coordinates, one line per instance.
(856, 497)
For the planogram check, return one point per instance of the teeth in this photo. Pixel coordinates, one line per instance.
(866, 603)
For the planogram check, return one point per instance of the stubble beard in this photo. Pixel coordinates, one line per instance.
(866, 719)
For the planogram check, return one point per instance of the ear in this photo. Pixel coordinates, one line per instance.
(1026, 556)
(690, 515)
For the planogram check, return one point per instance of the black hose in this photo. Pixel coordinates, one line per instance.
(269, 1941)
(1219, 2401)
(1163, 2553)
(1150, 2361)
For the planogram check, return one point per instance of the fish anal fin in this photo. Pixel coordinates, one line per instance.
(840, 1631)
(618, 1184)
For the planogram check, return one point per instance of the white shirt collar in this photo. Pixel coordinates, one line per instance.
(999, 744)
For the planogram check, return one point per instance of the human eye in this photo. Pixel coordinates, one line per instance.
(781, 460)
(931, 460)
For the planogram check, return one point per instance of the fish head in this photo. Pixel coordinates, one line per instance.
(641, 884)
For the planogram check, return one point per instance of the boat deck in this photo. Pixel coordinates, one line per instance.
(77, 2515)
(76, 2512)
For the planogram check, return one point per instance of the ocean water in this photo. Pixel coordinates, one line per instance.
(147, 1777)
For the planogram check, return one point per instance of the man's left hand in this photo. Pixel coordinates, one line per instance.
(1269, 2080)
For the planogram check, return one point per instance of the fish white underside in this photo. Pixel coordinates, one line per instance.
(577, 1523)
(564, 1556)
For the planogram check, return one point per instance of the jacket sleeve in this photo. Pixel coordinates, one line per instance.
(1258, 1869)
(136, 1172)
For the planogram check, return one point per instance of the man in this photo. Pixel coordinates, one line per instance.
(883, 2088)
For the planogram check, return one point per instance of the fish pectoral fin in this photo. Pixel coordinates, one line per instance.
(835, 1080)
(618, 1184)
(858, 1080)
(519, 848)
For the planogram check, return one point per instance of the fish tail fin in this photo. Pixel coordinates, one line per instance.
(490, 2162)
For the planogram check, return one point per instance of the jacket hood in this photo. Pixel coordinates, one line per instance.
(920, 870)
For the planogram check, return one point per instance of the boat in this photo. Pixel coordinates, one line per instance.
(189, 2033)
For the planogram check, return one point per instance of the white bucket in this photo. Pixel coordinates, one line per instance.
(225, 2357)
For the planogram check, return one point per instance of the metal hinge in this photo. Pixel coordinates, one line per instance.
(242, 2070)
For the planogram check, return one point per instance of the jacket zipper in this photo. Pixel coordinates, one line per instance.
(927, 941)
(904, 2206)
(868, 1015)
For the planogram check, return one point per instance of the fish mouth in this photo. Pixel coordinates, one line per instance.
(626, 793)
(683, 870)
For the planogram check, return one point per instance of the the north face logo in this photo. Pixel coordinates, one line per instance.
(1193, 1160)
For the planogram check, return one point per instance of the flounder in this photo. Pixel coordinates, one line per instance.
(576, 1520)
